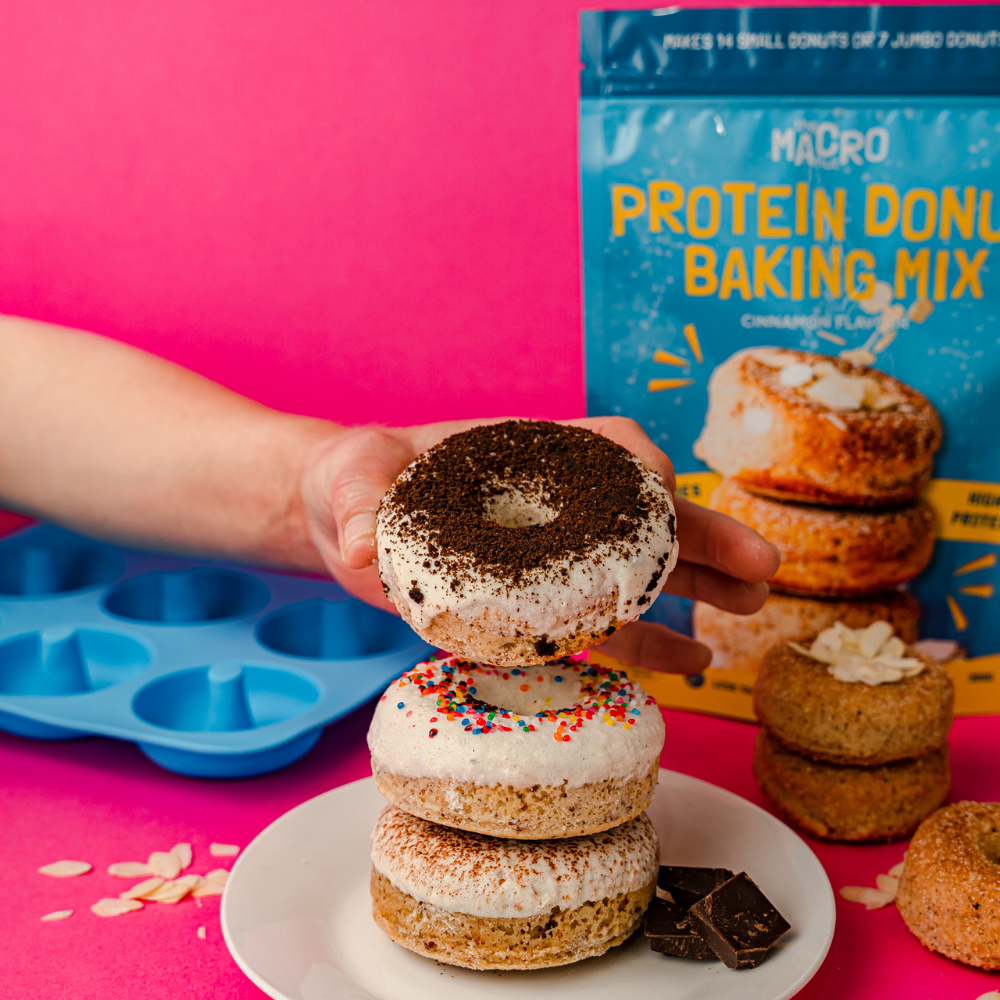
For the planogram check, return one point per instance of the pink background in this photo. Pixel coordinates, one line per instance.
(361, 211)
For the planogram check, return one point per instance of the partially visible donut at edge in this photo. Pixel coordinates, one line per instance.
(794, 441)
(520, 542)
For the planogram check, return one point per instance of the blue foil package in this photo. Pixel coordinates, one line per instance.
(823, 179)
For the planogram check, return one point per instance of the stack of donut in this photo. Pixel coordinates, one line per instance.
(515, 837)
(853, 737)
(827, 460)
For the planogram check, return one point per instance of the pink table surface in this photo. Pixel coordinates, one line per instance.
(316, 204)
(101, 801)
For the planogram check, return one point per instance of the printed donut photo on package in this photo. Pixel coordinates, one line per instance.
(795, 292)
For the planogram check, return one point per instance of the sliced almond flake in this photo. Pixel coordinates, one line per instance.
(183, 854)
(202, 933)
(896, 871)
(836, 421)
(66, 869)
(142, 889)
(797, 375)
(881, 296)
(223, 850)
(873, 899)
(992, 995)
(920, 310)
(207, 888)
(129, 869)
(57, 915)
(175, 891)
(164, 863)
(218, 875)
(115, 907)
(859, 356)
(887, 883)
(873, 638)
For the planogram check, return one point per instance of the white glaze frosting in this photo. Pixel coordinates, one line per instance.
(870, 655)
(488, 877)
(612, 584)
(621, 739)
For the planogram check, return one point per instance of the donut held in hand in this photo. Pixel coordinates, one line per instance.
(520, 542)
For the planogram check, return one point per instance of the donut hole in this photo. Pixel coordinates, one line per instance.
(531, 690)
(514, 509)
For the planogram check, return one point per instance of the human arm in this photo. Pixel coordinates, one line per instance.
(119, 444)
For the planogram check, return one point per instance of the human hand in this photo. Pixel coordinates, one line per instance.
(721, 561)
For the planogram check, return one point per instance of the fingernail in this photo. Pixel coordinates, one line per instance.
(360, 526)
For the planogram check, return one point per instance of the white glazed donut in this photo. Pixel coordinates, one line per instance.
(559, 750)
(519, 542)
(486, 903)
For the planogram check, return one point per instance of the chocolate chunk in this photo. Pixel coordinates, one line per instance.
(669, 932)
(545, 646)
(688, 885)
(416, 595)
(738, 922)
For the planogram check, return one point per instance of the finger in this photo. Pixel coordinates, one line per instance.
(720, 541)
(348, 482)
(702, 583)
(655, 647)
(630, 435)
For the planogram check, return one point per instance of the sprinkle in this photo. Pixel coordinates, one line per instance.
(400, 705)
(223, 850)
(432, 733)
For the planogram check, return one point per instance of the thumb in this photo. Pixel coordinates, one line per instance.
(344, 487)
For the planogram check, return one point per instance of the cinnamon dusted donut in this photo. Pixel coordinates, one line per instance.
(522, 541)
(742, 641)
(835, 551)
(840, 711)
(559, 750)
(949, 893)
(806, 426)
(485, 903)
(858, 804)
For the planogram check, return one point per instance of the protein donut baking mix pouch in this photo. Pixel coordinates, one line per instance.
(825, 180)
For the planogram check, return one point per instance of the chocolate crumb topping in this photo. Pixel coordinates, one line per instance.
(593, 488)
(416, 595)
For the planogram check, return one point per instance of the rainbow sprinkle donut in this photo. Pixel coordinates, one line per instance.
(560, 750)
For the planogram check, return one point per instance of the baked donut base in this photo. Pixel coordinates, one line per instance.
(949, 894)
(493, 637)
(556, 937)
(855, 804)
(541, 812)
(813, 713)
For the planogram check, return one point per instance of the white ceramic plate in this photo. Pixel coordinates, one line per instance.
(296, 913)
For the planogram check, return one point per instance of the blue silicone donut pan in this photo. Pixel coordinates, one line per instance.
(214, 670)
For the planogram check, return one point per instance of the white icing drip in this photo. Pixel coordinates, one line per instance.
(545, 603)
(400, 742)
(486, 877)
(871, 655)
